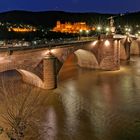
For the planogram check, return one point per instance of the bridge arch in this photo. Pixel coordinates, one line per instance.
(84, 59)
(31, 78)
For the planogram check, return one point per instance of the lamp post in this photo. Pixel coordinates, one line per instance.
(99, 28)
(87, 32)
(80, 33)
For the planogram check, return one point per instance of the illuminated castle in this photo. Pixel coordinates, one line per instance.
(71, 28)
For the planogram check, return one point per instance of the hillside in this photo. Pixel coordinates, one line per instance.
(49, 18)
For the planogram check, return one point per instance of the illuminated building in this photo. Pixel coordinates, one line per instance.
(23, 29)
(71, 28)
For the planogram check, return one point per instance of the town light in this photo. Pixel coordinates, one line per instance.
(80, 30)
(87, 31)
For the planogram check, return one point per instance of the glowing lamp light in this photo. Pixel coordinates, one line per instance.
(99, 28)
(127, 33)
(87, 31)
(129, 30)
(107, 43)
(94, 43)
(53, 51)
(80, 30)
(48, 52)
(126, 29)
(136, 35)
(107, 29)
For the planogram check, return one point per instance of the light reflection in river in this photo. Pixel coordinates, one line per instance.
(94, 105)
(50, 124)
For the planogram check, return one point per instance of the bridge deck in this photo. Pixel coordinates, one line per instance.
(48, 46)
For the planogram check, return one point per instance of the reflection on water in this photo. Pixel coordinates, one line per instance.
(91, 104)
(50, 124)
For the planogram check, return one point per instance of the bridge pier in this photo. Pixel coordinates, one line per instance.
(109, 53)
(49, 72)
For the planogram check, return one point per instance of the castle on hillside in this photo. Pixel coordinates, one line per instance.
(68, 27)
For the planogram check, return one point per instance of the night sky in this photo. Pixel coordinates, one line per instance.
(102, 6)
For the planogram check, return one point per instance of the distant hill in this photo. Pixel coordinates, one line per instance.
(49, 18)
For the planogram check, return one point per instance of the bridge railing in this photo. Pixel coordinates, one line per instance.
(45, 43)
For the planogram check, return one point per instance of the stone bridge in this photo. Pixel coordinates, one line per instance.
(41, 66)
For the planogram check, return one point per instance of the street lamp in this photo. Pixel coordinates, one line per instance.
(99, 28)
(87, 32)
(128, 30)
(80, 32)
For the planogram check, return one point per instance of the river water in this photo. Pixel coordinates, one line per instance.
(88, 104)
